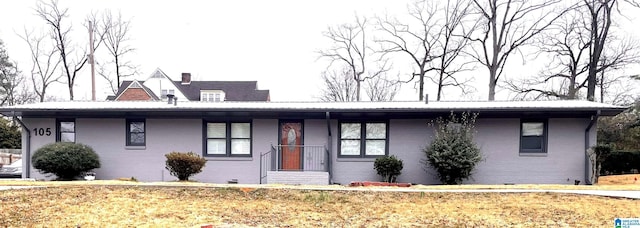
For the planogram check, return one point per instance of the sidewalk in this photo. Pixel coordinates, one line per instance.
(630, 194)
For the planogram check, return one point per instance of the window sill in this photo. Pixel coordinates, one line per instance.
(532, 154)
(356, 159)
(135, 147)
(229, 158)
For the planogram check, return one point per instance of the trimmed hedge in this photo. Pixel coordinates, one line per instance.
(66, 160)
(184, 165)
(621, 162)
(389, 167)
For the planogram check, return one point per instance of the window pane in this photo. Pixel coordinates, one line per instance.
(216, 146)
(375, 147)
(136, 138)
(216, 130)
(136, 127)
(67, 137)
(67, 126)
(532, 129)
(240, 146)
(350, 131)
(240, 130)
(376, 131)
(532, 143)
(350, 147)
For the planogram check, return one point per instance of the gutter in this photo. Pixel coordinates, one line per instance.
(587, 170)
(27, 155)
(329, 147)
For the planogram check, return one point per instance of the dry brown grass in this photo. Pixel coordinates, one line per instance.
(628, 179)
(146, 206)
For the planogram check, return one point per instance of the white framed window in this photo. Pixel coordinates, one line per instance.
(164, 92)
(212, 95)
(227, 139)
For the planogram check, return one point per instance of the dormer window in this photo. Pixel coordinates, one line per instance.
(212, 95)
(164, 93)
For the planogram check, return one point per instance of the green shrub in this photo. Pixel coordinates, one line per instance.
(184, 165)
(620, 162)
(597, 155)
(452, 153)
(66, 160)
(10, 136)
(389, 167)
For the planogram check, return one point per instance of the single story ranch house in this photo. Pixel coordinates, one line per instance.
(315, 142)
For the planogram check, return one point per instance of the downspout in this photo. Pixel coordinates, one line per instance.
(27, 155)
(587, 142)
(329, 147)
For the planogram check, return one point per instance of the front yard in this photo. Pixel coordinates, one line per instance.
(122, 206)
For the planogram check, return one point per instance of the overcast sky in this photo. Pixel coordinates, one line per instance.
(273, 42)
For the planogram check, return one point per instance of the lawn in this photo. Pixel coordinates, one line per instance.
(171, 206)
(191, 204)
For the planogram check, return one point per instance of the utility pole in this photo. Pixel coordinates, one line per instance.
(92, 61)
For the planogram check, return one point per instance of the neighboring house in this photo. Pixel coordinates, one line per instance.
(316, 142)
(159, 85)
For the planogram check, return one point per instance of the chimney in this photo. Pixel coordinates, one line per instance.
(186, 78)
(169, 98)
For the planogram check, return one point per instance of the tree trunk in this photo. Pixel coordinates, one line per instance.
(440, 84)
(71, 90)
(602, 86)
(421, 93)
(591, 81)
(571, 93)
(42, 94)
(358, 90)
(492, 83)
(117, 71)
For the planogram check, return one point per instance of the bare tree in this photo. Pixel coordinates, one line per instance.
(600, 16)
(72, 62)
(433, 39)
(351, 48)
(507, 25)
(338, 86)
(104, 70)
(568, 44)
(10, 81)
(451, 44)
(416, 44)
(116, 40)
(382, 89)
(599, 21)
(45, 62)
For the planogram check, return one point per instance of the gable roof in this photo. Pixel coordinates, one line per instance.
(127, 84)
(234, 90)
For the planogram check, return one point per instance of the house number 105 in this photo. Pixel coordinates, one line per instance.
(42, 131)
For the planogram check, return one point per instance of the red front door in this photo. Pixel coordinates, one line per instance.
(291, 144)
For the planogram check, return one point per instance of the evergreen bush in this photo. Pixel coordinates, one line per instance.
(389, 167)
(453, 153)
(66, 160)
